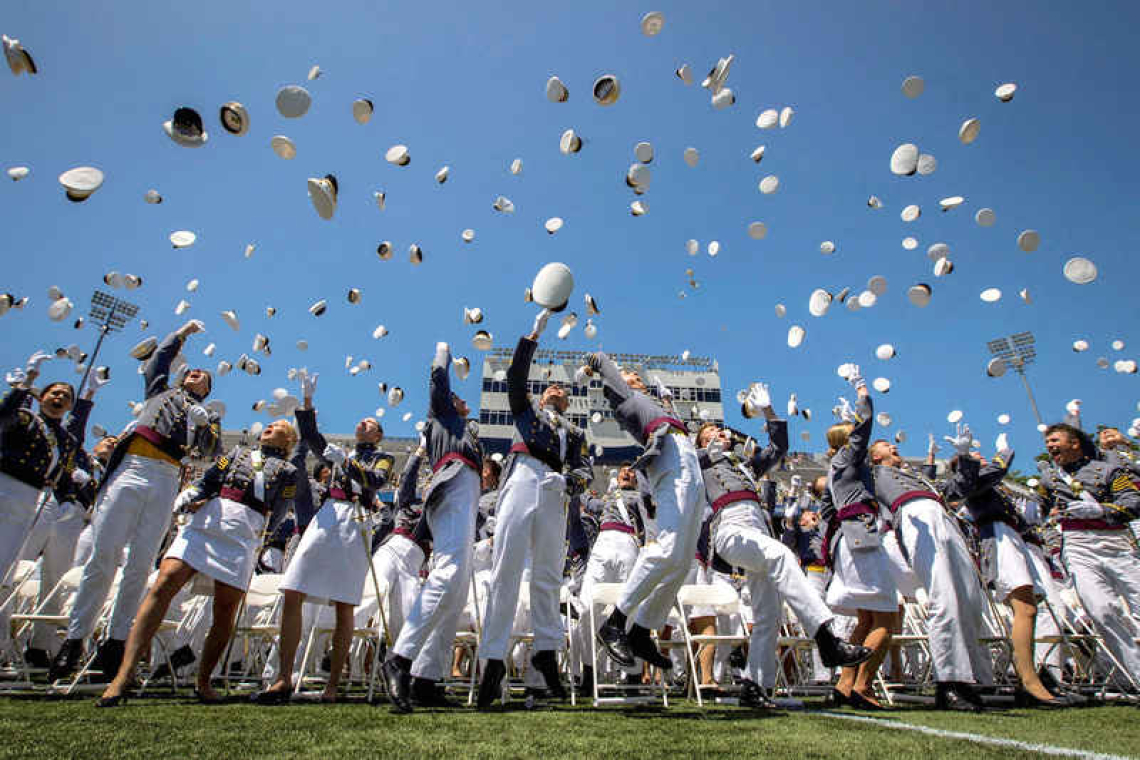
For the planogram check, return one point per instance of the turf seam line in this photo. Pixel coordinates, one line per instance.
(1047, 749)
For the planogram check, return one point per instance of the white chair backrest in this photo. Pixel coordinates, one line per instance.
(266, 583)
(719, 595)
(606, 593)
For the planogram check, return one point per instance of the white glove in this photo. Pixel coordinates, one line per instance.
(308, 383)
(1084, 510)
(184, 499)
(35, 360)
(1074, 407)
(793, 408)
(1001, 444)
(335, 454)
(932, 446)
(198, 415)
(191, 327)
(16, 377)
(80, 477)
(581, 376)
(540, 321)
(613, 484)
(98, 382)
(663, 391)
(962, 440)
(423, 444)
(855, 378)
(844, 410)
(759, 397)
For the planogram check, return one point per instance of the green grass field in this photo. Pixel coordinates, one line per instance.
(181, 728)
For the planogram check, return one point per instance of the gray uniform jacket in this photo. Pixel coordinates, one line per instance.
(729, 479)
(1108, 484)
(163, 419)
(543, 433)
(1125, 459)
(410, 508)
(363, 473)
(34, 448)
(452, 441)
(234, 476)
(637, 504)
(636, 413)
(978, 491)
(849, 478)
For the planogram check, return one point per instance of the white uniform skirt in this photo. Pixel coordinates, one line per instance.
(862, 580)
(330, 562)
(1015, 565)
(220, 541)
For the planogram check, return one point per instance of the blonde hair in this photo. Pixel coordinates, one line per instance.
(701, 430)
(294, 435)
(837, 436)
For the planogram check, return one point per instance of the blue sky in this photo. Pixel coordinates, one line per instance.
(463, 85)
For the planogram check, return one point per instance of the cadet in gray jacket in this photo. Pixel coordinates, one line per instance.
(1095, 500)
(670, 462)
(739, 538)
(450, 503)
(547, 463)
(135, 500)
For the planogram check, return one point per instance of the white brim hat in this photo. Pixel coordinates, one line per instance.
(723, 98)
(996, 367)
(885, 352)
(827, 247)
(398, 155)
(59, 309)
(556, 92)
(786, 114)
(985, 217)
(692, 156)
(293, 101)
(552, 286)
(362, 109)
(968, 132)
(323, 194)
(607, 90)
(152, 197)
(503, 205)
(684, 72)
(516, 167)
(186, 128)
(384, 250)
(991, 295)
(318, 308)
(231, 319)
(1005, 92)
(553, 224)
(795, 336)
(768, 118)
(17, 173)
(1079, 270)
(415, 254)
(442, 174)
(482, 341)
(234, 118)
(1028, 240)
(80, 182)
(913, 86)
(283, 147)
(182, 238)
(757, 230)
(652, 22)
(144, 348)
(904, 160)
(927, 165)
(919, 294)
(769, 184)
(819, 302)
(569, 142)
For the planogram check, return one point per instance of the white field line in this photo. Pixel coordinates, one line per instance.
(1046, 749)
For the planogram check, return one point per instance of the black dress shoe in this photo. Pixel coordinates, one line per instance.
(641, 645)
(751, 695)
(546, 662)
(837, 653)
(586, 685)
(491, 687)
(179, 658)
(272, 698)
(36, 658)
(110, 657)
(616, 642)
(738, 658)
(1022, 698)
(427, 693)
(66, 659)
(116, 701)
(399, 683)
(838, 698)
(956, 696)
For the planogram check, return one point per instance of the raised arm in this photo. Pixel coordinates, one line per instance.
(613, 386)
(860, 437)
(518, 374)
(766, 458)
(156, 373)
(439, 397)
(303, 506)
(407, 491)
(307, 426)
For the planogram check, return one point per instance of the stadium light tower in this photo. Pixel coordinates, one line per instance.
(1018, 352)
(112, 314)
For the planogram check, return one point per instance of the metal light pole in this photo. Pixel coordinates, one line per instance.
(1018, 352)
(112, 314)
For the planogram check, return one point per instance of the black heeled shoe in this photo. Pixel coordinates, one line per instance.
(838, 698)
(1022, 698)
(859, 702)
(116, 701)
(203, 699)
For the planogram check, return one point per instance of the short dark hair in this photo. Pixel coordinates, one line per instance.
(1063, 427)
(495, 466)
(49, 386)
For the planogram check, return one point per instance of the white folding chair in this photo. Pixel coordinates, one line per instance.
(606, 595)
(722, 598)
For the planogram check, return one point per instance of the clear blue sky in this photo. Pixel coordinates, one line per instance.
(462, 84)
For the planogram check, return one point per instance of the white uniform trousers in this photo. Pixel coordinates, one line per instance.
(431, 624)
(53, 536)
(679, 490)
(611, 561)
(945, 568)
(1106, 576)
(773, 575)
(18, 502)
(397, 562)
(133, 510)
(530, 520)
